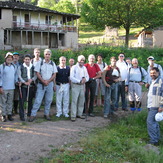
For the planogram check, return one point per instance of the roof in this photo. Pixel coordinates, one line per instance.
(28, 7)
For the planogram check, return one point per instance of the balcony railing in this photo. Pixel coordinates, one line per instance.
(44, 27)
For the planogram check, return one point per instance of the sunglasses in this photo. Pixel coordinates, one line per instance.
(121, 56)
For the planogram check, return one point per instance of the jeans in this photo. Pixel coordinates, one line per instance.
(110, 98)
(41, 91)
(153, 126)
(121, 91)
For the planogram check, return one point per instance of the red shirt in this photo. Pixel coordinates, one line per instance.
(92, 70)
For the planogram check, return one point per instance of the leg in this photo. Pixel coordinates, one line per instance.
(66, 95)
(107, 101)
(58, 101)
(92, 96)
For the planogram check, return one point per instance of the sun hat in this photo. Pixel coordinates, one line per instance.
(9, 54)
(159, 116)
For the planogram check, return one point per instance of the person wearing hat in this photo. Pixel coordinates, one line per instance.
(154, 105)
(8, 78)
(26, 77)
(151, 65)
(16, 91)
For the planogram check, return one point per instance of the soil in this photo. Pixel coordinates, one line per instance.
(27, 143)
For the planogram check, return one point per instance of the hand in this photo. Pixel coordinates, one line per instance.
(19, 83)
(46, 82)
(107, 85)
(126, 89)
(30, 81)
(54, 88)
(1, 91)
(116, 80)
(141, 83)
(160, 109)
(147, 85)
(83, 80)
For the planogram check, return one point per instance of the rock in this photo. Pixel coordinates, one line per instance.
(14, 158)
(149, 147)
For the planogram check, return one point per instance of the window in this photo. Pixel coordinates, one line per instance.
(0, 14)
(48, 19)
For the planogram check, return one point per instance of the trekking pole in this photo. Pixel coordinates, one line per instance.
(26, 110)
(20, 91)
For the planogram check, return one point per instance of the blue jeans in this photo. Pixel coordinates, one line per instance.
(153, 126)
(110, 98)
(41, 91)
(121, 92)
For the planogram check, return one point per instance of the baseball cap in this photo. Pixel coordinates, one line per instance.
(16, 53)
(159, 116)
(9, 54)
(150, 57)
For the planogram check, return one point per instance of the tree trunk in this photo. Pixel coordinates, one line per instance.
(127, 36)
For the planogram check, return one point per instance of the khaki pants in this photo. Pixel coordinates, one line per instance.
(78, 99)
(6, 102)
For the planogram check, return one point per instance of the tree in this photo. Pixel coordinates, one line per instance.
(123, 13)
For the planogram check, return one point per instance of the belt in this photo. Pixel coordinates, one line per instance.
(77, 83)
(135, 81)
(58, 83)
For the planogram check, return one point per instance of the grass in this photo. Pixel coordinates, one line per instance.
(122, 141)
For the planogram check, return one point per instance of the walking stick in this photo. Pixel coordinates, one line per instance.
(26, 110)
(20, 91)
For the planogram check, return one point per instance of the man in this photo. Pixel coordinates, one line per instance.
(100, 85)
(8, 78)
(27, 78)
(111, 77)
(78, 76)
(37, 57)
(62, 88)
(137, 76)
(71, 62)
(94, 73)
(16, 91)
(154, 105)
(46, 72)
(151, 63)
(123, 67)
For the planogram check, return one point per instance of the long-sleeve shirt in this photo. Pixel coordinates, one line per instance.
(8, 76)
(77, 73)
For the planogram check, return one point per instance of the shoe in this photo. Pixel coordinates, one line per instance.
(132, 109)
(10, 118)
(47, 117)
(22, 119)
(91, 115)
(66, 115)
(58, 115)
(84, 114)
(105, 116)
(138, 109)
(81, 117)
(125, 109)
(32, 118)
(4, 119)
(154, 143)
(73, 119)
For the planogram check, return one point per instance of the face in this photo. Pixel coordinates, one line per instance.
(150, 61)
(91, 59)
(15, 58)
(121, 57)
(128, 61)
(99, 58)
(9, 59)
(27, 61)
(135, 62)
(47, 55)
(62, 61)
(154, 74)
(81, 62)
(37, 53)
(71, 62)
(113, 62)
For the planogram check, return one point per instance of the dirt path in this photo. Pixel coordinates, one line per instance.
(27, 143)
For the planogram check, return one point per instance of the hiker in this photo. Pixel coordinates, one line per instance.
(137, 76)
(78, 76)
(100, 87)
(71, 62)
(154, 105)
(27, 79)
(16, 62)
(123, 67)
(8, 78)
(129, 62)
(151, 62)
(94, 73)
(46, 72)
(37, 57)
(111, 77)
(62, 88)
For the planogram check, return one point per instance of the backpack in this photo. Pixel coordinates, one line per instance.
(140, 69)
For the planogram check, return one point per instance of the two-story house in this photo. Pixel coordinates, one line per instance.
(24, 25)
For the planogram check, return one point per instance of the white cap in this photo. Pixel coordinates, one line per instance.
(159, 116)
(9, 54)
(151, 57)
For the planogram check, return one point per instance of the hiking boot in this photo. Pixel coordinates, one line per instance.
(47, 117)
(91, 115)
(58, 115)
(4, 119)
(10, 118)
(66, 115)
(73, 119)
(81, 117)
(124, 109)
(105, 116)
(32, 118)
(22, 119)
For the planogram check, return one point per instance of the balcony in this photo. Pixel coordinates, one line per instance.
(43, 27)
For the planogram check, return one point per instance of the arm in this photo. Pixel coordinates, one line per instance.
(103, 78)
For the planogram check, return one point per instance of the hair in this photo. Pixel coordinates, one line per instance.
(80, 57)
(62, 57)
(128, 59)
(47, 50)
(91, 55)
(36, 49)
(155, 68)
(113, 58)
(120, 54)
(27, 55)
(99, 55)
(135, 59)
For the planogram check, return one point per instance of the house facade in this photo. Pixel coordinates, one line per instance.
(24, 25)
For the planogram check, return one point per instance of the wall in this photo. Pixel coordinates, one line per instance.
(71, 40)
(6, 20)
(158, 38)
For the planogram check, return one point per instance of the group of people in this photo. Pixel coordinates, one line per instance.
(36, 79)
